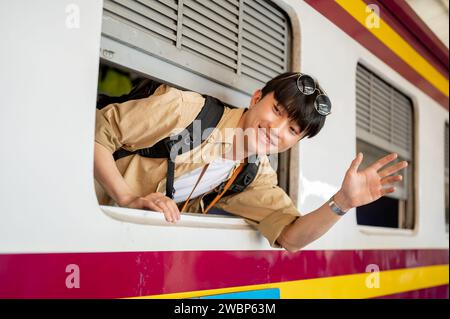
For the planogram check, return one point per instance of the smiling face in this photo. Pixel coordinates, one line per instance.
(278, 117)
(267, 126)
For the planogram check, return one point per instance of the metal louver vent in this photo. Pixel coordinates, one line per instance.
(239, 43)
(158, 18)
(264, 41)
(210, 29)
(383, 114)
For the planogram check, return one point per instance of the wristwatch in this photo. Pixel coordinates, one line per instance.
(335, 208)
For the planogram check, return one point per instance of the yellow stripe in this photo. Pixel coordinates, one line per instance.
(338, 287)
(357, 8)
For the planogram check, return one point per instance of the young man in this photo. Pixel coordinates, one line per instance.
(290, 107)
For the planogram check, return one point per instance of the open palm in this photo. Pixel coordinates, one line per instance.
(368, 185)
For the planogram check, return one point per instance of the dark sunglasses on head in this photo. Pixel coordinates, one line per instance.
(307, 85)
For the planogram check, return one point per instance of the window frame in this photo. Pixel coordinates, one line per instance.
(123, 56)
(146, 217)
(412, 167)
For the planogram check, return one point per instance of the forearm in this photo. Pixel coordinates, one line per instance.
(107, 174)
(312, 226)
(358, 188)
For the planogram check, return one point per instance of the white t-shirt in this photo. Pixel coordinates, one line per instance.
(218, 171)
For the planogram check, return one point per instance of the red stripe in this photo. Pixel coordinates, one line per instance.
(128, 274)
(353, 28)
(403, 23)
(438, 292)
(414, 24)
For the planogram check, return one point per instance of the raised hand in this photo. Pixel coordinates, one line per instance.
(366, 186)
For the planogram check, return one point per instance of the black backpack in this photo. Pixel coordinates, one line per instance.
(209, 117)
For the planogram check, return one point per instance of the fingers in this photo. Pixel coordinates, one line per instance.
(387, 190)
(393, 168)
(168, 214)
(356, 162)
(391, 179)
(165, 205)
(383, 161)
(174, 209)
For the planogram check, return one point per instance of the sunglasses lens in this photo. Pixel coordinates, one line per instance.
(323, 104)
(306, 84)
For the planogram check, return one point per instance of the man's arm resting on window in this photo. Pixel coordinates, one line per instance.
(107, 174)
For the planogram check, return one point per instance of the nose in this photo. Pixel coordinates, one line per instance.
(278, 127)
(277, 131)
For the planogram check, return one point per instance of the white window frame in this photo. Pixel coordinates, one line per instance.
(121, 55)
(387, 231)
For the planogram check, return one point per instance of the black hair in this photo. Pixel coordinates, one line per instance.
(300, 107)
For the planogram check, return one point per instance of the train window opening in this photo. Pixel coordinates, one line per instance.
(115, 84)
(391, 210)
(446, 175)
(384, 120)
(238, 46)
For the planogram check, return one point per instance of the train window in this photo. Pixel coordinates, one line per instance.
(384, 120)
(240, 44)
(225, 49)
(446, 175)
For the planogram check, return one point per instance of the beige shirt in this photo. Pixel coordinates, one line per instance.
(138, 124)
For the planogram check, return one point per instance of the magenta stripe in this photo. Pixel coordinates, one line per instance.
(128, 274)
(438, 292)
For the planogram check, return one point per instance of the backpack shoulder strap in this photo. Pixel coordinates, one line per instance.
(208, 117)
(171, 146)
(244, 178)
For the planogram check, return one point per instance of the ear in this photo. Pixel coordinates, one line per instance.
(255, 97)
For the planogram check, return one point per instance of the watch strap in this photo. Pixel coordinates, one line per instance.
(335, 208)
